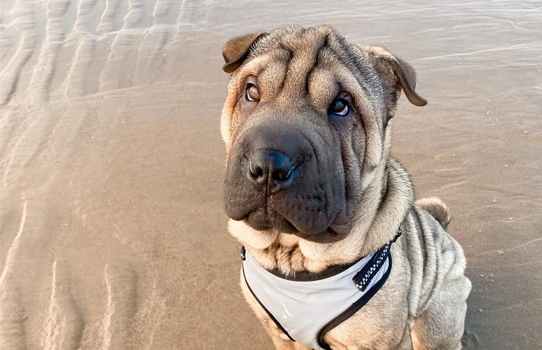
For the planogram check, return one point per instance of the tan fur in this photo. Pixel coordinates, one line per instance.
(437, 208)
(423, 303)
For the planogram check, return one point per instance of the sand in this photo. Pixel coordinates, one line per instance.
(112, 234)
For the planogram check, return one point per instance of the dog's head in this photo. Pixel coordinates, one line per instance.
(304, 125)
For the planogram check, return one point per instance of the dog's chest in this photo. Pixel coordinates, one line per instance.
(306, 310)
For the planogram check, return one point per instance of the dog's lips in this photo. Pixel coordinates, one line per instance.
(261, 222)
(329, 235)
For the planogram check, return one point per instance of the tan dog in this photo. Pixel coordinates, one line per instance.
(310, 184)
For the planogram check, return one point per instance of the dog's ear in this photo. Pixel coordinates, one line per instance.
(395, 75)
(237, 49)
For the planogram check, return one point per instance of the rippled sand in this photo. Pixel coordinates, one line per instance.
(112, 233)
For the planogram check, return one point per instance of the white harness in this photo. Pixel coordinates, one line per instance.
(306, 310)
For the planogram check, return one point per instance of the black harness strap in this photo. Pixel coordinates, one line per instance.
(362, 279)
(366, 274)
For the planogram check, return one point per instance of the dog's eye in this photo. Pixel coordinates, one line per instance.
(252, 92)
(339, 107)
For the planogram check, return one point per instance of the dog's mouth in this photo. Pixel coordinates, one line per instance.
(329, 235)
(260, 220)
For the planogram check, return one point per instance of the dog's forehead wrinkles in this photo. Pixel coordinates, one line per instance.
(305, 53)
(307, 49)
(303, 46)
(357, 62)
(271, 77)
(329, 77)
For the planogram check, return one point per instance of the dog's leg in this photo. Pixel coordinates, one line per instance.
(442, 324)
(406, 341)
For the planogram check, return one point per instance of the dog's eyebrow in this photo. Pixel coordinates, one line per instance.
(270, 79)
(316, 63)
(340, 50)
(288, 61)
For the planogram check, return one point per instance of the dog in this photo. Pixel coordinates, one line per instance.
(315, 198)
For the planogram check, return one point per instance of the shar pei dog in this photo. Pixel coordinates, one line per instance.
(337, 253)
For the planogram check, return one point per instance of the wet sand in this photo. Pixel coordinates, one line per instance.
(112, 234)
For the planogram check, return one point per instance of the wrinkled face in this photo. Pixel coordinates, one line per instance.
(303, 123)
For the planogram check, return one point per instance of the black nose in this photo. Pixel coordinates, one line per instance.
(270, 168)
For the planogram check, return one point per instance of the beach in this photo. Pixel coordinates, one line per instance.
(112, 232)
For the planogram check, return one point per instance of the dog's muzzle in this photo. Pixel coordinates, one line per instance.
(277, 178)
